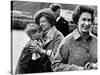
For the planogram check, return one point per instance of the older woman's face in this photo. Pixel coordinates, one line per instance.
(45, 25)
(84, 22)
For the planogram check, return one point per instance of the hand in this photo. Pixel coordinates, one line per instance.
(33, 45)
(39, 50)
(94, 65)
(32, 48)
(89, 66)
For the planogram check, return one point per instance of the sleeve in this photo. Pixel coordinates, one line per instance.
(56, 44)
(23, 62)
(60, 61)
(46, 60)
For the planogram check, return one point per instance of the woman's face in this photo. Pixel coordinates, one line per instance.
(45, 25)
(84, 22)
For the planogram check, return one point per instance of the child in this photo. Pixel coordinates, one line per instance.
(35, 35)
(29, 62)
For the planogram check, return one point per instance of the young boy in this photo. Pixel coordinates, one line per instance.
(29, 62)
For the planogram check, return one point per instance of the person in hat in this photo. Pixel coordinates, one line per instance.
(51, 37)
(61, 24)
(78, 50)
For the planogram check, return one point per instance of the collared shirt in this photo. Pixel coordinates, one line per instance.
(75, 50)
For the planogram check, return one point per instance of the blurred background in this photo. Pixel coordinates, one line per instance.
(22, 13)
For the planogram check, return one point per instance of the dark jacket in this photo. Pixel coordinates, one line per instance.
(26, 64)
(62, 26)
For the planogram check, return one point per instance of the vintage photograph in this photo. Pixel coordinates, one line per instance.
(53, 37)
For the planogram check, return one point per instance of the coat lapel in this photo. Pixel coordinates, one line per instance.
(48, 40)
(50, 35)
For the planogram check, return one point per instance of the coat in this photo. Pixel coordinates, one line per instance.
(52, 43)
(63, 26)
(27, 65)
(75, 52)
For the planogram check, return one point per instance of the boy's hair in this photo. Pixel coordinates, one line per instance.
(32, 28)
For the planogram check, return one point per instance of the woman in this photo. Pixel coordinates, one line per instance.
(51, 37)
(78, 50)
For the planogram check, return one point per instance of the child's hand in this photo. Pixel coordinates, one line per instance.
(94, 65)
(39, 50)
(89, 66)
(33, 45)
(32, 48)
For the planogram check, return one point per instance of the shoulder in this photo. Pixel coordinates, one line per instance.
(58, 34)
(93, 37)
(27, 44)
(67, 38)
(65, 43)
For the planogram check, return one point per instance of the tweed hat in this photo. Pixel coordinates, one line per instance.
(45, 12)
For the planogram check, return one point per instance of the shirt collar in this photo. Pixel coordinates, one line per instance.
(77, 35)
(58, 18)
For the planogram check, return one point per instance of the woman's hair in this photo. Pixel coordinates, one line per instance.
(47, 13)
(81, 9)
(55, 7)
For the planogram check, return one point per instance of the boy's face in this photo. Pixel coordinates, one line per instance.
(33, 31)
(37, 35)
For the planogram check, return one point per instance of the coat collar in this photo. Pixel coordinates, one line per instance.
(77, 35)
(50, 34)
